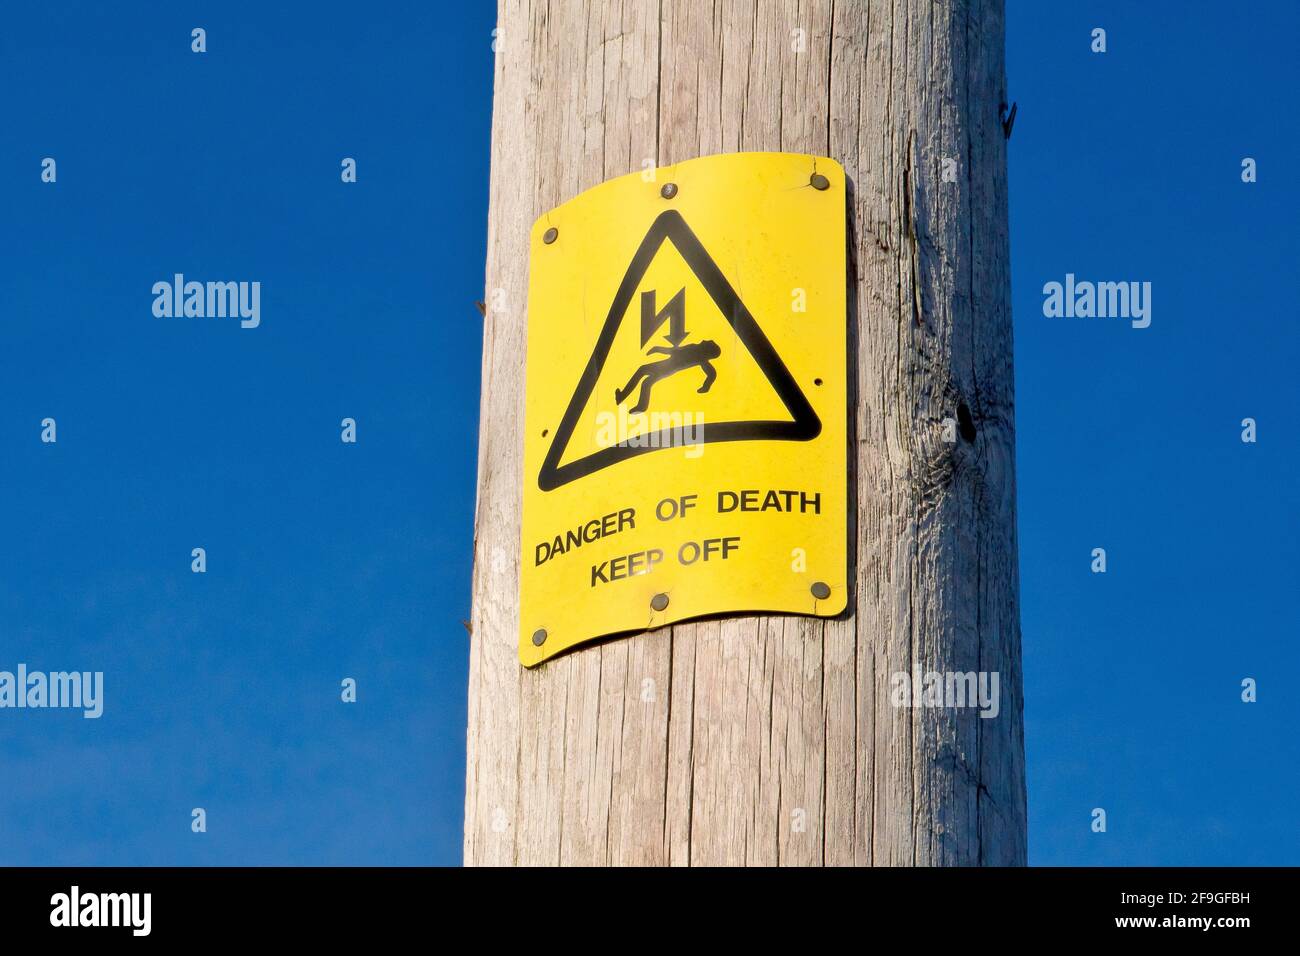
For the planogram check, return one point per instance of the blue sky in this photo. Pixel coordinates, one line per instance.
(328, 560)
(1127, 165)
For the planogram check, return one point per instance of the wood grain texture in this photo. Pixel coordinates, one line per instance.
(773, 740)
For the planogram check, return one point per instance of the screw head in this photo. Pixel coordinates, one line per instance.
(550, 235)
(539, 637)
(818, 181)
(821, 590)
(659, 602)
(669, 190)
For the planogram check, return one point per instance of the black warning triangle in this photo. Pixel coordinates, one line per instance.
(804, 424)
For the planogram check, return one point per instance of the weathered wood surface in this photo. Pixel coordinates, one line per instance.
(772, 740)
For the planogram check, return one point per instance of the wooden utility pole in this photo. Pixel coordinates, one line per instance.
(774, 740)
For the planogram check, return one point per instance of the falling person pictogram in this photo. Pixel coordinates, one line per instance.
(680, 358)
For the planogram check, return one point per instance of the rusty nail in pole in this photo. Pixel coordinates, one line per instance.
(821, 590)
(818, 181)
(659, 602)
(550, 235)
(539, 637)
(669, 190)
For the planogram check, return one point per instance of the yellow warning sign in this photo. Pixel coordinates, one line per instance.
(686, 400)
